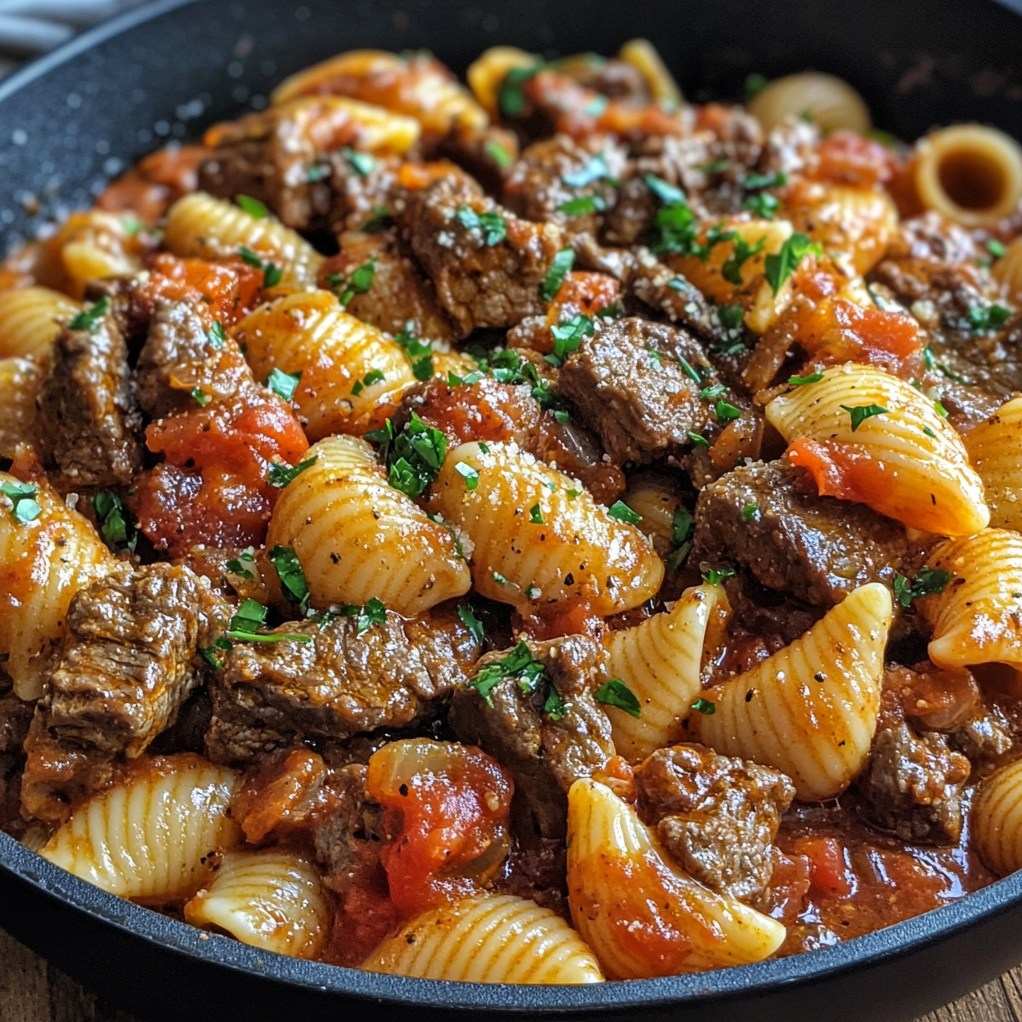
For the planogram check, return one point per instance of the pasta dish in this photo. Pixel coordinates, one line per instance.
(537, 530)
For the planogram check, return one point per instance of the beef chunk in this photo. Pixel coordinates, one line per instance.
(537, 871)
(767, 518)
(560, 169)
(180, 355)
(130, 657)
(484, 153)
(912, 785)
(984, 737)
(89, 423)
(127, 664)
(630, 386)
(285, 156)
(545, 753)
(400, 296)
(339, 684)
(488, 410)
(15, 717)
(486, 264)
(716, 815)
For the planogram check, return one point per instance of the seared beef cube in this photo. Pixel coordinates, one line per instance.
(276, 156)
(340, 683)
(130, 657)
(15, 717)
(545, 750)
(399, 296)
(718, 816)
(537, 871)
(89, 424)
(631, 386)
(912, 785)
(486, 264)
(486, 154)
(984, 737)
(559, 170)
(768, 519)
(180, 355)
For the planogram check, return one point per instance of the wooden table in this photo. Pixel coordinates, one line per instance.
(32, 991)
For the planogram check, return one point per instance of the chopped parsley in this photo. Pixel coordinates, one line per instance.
(668, 194)
(995, 248)
(616, 693)
(620, 511)
(593, 170)
(779, 266)
(757, 182)
(763, 204)
(860, 413)
(245, 625)
(928, 582)
(358, 283)
(243, 565)
(527, 672)
(280, 475)
(362, 164)
(704, 706)
(89, 318)
(730, 316)
(469, 474)
(536, 515)
(804, 381)
(498, 154)
(272, 273)
(371, 377)
(317, 172)
(467, 616)
(254, 207)
(726, 412)
(510, 96)
(583, 205)
(559, 269)
(741, 253)
(283, 384)
(491, 226)
(292, 577)
(216, 335)
(938, 407)
(567, 337)
(506, 365)
(24, 506)
(413, 456)
(689, 370)
(420, 353)
(371, 613)
(984, 319)
(749, 511)
(115, 522)
(379, 219)
(697, 438)
(755, 83)
(200, 397)
(681, 536)
(715, 576)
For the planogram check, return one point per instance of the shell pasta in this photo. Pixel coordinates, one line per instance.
(997, 819)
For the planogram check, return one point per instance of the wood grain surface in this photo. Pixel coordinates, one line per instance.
(32, 991)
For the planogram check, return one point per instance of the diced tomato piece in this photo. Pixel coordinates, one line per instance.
(845, 471)
(830, 875)
(364, 919)
(228, 289)
(155, 182)
(417, 176)
(448, 806)
(569, 617)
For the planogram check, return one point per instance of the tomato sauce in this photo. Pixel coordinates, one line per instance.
(152, 185)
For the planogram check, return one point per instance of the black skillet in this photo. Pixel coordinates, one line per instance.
(75, 118)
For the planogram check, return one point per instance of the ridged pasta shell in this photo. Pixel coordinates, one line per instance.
(357, 537)
(659, 660)
(151, 836)
(920, 472)
(31, 318)
(997, 819)
(646, 59)
(43, 563)
(199, 225)
(656, 500)
(272, 899)
(20, 380)
(487, 72)
(488, 939)
(577, 551)
(638, 910)
(432, 96)
(811, 708)
(995, 449)
(977, 619)
(309, 333)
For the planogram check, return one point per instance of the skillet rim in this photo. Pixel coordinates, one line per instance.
(164, 933)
